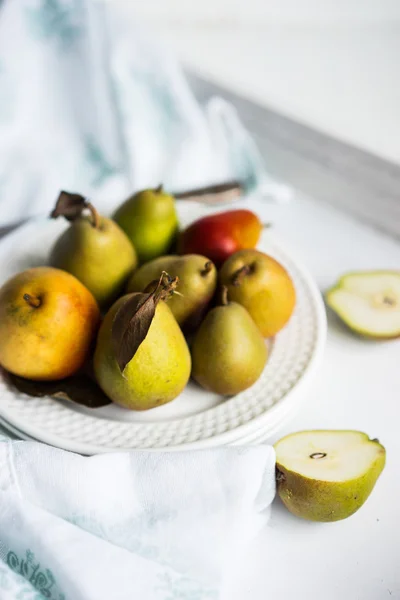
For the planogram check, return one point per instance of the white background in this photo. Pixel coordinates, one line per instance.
(333, 64)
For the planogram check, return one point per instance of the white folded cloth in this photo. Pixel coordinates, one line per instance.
(145, 525)
(90, 104)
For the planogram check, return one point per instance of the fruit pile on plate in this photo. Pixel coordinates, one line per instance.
(139, 307)
(198, 303)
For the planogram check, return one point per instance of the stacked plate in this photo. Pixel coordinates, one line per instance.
(197, 419)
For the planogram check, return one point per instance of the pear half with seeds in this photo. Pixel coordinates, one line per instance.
(368, 302)
(327, 475)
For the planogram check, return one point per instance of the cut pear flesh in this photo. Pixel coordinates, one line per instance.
(368, 302)
(327, 475)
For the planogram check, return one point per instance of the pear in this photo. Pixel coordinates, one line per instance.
(228, 351)
(141, 358)
(368, 302)
(262, 285)
(219, 235)
(327, 475)
(197, 282)
(48, 323)
(94, 249)
(150, 221)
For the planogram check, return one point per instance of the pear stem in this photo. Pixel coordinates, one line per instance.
(240, 274)
(94, 214)
(159, 189)
(166, 287)
(32, 300)
(207, 268)
(224, 295)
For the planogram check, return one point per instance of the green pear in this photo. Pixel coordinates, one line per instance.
(262, 285)
(94, 249)
(368, 302)
(150, 221)
(141, 359)
(197, 282)
(327, 475)
(228, 351)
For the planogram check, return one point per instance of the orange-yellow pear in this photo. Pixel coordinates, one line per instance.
(262, 285)
(47, 323)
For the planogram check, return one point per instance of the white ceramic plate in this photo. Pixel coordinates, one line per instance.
(196, 419)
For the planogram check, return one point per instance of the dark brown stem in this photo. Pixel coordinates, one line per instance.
(207, 268)
(94, 214)
(240, 274)
(159, 189)
(166, 286)
(224, 295)
(33, 301)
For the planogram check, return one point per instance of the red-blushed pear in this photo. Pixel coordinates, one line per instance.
(48, 320)
(221, 235)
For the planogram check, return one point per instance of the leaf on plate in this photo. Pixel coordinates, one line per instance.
(69, 206)
(133, 319)
(80, 389)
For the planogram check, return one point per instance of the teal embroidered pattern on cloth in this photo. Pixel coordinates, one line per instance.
(89, 103)
(39, 579)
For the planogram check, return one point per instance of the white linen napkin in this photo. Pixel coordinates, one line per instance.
(145, 525)
(90, 104)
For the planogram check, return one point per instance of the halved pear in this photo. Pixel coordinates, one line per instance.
(327, 475)
(368, 302)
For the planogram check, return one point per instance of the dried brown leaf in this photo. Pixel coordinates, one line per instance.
(130, 326)
(69, 206)
(80, 389)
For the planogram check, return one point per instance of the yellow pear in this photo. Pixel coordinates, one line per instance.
(150, 221)
(94, 249)
(368, 302)
(141, 359)
(228, 351)
(48, 322)
(327, 475)
(197, 282)
(262, 285)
